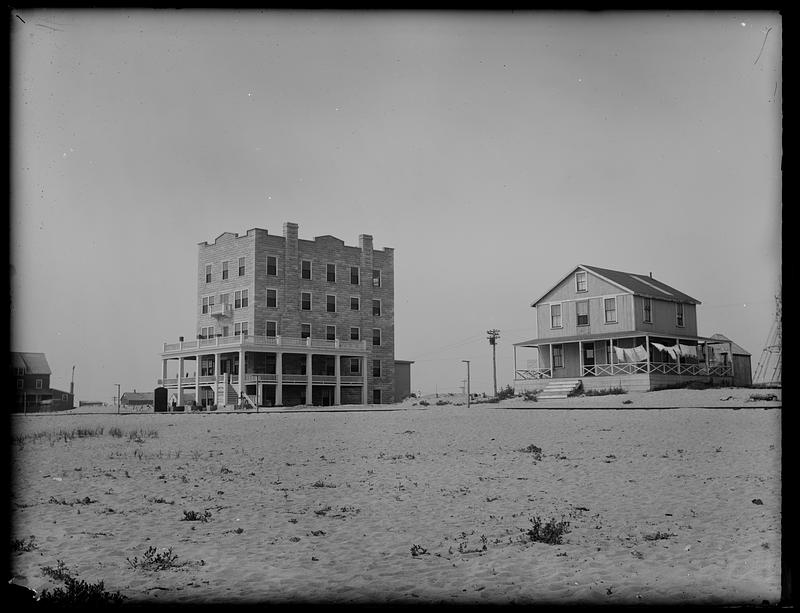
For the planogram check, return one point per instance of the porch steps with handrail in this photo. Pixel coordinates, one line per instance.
(558, 388)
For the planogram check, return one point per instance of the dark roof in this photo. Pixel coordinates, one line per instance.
(643, 285)
(136, 396)
(615, 335)
(33, 363)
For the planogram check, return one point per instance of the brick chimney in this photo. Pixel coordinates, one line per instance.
(365, 242)
(290, 230)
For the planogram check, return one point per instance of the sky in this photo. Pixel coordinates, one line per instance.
(494, 151)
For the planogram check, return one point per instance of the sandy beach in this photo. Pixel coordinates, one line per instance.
(411, 503)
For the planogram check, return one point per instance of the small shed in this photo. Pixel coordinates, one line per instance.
(136, 399)
(740, 358)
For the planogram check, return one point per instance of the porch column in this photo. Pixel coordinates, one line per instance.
(552, 368)
(309, 384)
(216, 376)
(337, 370)
(580, 358)
(611, 355)
(515, 362)
(197, 380)
(163, 369)
(705, 354)
(678, 354)
(180, 381)
(278, 379)
(364, 379)
(241, 371)
(647, 346)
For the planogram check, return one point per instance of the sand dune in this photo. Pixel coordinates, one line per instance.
(332, 507)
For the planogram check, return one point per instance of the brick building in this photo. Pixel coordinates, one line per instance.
(310, 321)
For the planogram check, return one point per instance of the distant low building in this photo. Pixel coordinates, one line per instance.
(30, 376)
(136, 399)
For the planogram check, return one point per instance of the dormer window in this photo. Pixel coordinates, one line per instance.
(580, 281)
(679, 314)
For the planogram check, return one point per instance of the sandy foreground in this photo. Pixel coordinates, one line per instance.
(677, 505)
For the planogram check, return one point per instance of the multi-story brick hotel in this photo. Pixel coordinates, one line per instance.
(283, 321)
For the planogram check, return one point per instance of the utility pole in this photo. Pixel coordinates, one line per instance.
(72, 387)
(118, 398)
(494, 334)
(467, 361)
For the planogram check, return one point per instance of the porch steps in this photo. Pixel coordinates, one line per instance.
(558, 388)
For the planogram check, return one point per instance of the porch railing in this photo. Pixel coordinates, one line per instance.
(664, 368)
(534, 373)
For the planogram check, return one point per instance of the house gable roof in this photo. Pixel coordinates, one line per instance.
(640, 285)
(33, 363)
(735, 349)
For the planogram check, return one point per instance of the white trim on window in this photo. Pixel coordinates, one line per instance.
(579, 315)
(242, 266)
(207, 304)
(303, 270)
(225, 269)
(357, 336)
(39, 384)
(271, 289)
(241, 298)
(559, 355)
(266, 328)
(560, 316)
(581, 278)
(328, 335)
(271, 274)
(208, 273)
(680, 315)
(376, 337)
(357, 271)
(355, 366)
(303, 328)
(379, 305)
(376, 280)
(328, 303)
(647, 310)
(328, 272)
(310, 301)
(241, 328)
(606, 310)
(358, 303)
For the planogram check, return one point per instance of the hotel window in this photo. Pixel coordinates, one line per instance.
(330, 303)
(376, 368)
(272, 298)
(679, 314)
(305, 301)
(330, 333)
(582, 310)
(376, 336)
(355, 303)
(272, 265)
(20, 384)
(208, 304)
(355, 366)
(305, 330)
(555, 315)
(272, 328)
(207, 332)
(226, 330)
(305, 269)
(611, 310)
(38, 384)
(558, 357)
(208, 273)
(331, 273)
(580, 281)
(240, 299)
(376, 307)
(224, 270)
(647, 307)
(355, 334)
(354, 275)
(241, 267)
(376, 278)
(240, 328)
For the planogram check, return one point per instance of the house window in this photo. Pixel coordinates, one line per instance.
(355, 366)
(580, 281)
(355, 334)
(376, 278)
(63, 396)
(610, 305)
(558, 357)
(582, 310)
(224, 270)
(19, 371)
(305, 330)
(330, 333)
(354, 275)
(272, 298)
(240, 328)
(355, 303)
(272, 328)
(376, 307)
(376, 396)
(305, 269)
(272, 265)
(555, 315)
(305, 301)
(241, 267)
(376, 368)
(376, 336)
(20, 384)
(208, 304)
(679, 314)
(207, 332)
(647, 304)
(330, 303)
(38, 384)
(208, 273)
(330, 273)
(240, 299)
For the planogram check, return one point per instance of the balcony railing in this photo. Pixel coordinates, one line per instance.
(262, 341)
(316, 379)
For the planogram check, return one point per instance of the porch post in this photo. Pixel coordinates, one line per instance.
(309, 385)
(278, 379)
(364, 379)
(552, 368)
(337, 370)
(706, 352)
(197, 379)
(163, 369)
(180, 381)
(647, 346)
(216, 376)
(678, 354)
(580, 358)
(515, 362)
(241, 371)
